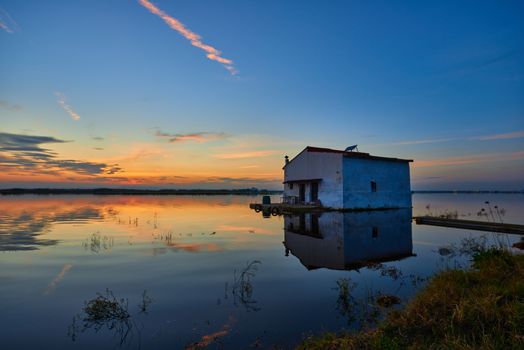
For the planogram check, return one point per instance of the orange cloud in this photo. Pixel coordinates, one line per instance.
(474, 158)
(241, 155)
(195, 39)
(202, 136)
(62, 102)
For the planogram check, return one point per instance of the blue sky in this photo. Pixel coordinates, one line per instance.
(440, 82)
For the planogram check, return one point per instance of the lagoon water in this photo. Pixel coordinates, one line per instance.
(154, 272)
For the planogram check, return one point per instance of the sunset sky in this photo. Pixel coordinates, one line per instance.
(213, 94)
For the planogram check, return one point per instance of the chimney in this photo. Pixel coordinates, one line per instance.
(287, 159)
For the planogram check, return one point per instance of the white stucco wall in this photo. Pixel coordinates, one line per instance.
(392, 179)
(316, 165)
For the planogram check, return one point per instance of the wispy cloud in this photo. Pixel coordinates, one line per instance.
(241, 155)
(10, 106)
(195, 39)
(471, 159)
(61, 99)
(202, 136)
(6, 22)
(505, 136)
(420, 142)
(24, 153)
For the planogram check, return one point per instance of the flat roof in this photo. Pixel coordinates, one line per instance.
(362, 155)
(302, 180)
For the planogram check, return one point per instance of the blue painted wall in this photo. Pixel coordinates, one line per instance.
(392, 180)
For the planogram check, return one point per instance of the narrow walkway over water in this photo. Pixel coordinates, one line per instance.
(470, 224)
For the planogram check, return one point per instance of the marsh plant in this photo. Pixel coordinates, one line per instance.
(108, 312)
(145, 302)
(364, 312)
(481, 307)
(492, 214)
(469, 247)
(97, 243)
(397, 275)
(346, 302)
(447, 214)
(371, 307)
(242, 288)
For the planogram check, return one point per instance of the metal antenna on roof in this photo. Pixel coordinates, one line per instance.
(351, 148)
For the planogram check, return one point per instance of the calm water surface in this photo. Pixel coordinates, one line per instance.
(152, 272)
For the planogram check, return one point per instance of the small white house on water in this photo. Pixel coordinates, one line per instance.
(346, 180)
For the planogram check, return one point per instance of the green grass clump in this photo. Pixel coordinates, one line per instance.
(481, 308)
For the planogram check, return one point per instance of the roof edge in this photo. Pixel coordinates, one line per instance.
(363, 155)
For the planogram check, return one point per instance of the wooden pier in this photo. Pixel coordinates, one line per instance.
(470, 224)
(282, 208)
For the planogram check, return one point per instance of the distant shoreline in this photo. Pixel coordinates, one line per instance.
(472, 192)
(194, 192)
(126, 191)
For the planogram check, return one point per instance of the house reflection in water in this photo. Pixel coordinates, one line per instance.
(348, 240)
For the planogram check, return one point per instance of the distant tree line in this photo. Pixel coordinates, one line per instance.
(131, 191)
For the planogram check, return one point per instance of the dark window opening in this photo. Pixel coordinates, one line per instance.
(314, 191)
(290, 186)
(373, 186)
(374, 234)
(314, 224)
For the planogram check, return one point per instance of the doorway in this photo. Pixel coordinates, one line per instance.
(314, 191)
(302, 193)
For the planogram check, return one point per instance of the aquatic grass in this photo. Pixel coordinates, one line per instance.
(106, 311)
(478, 308)
(242, 289)
(97, 243)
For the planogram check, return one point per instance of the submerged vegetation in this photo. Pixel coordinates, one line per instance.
(481, 307)
(97, 243)
(242, 289)
(491, 214)
(106, 311)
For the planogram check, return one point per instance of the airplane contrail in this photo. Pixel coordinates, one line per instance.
(62, 102)
(195, 39)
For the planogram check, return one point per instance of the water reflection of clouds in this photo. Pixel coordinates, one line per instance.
(20, 229)
(209, 224)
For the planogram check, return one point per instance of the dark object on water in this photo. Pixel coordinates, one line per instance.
(519, 245)
(388, 300)
(266, 200)
(444, 251)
